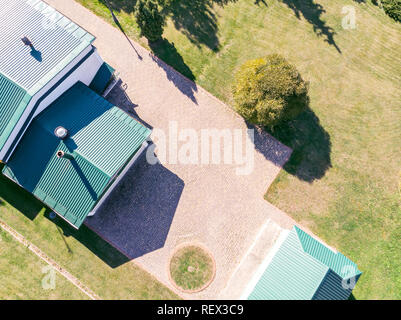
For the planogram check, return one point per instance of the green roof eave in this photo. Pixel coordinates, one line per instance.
(14, 120)
(14, 100)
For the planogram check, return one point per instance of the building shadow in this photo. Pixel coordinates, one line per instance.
(19, 198)
(98, 246)
(137, 216)
(311, 145)
(312, 12)
(168, 58)
(119, 97)
(29, 206)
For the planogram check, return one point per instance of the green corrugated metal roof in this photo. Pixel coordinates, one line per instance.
(24, 71)
(102, 139)
(336, 261)
(13, 101)
(304, 269)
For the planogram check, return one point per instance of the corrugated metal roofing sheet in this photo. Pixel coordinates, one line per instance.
(23, 71)
(291, 275)
(56, 41)
(331, 288)
(13, 101)
(102, 139)
(336, 261)
(301, 270)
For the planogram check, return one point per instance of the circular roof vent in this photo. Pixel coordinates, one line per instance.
(61, 132)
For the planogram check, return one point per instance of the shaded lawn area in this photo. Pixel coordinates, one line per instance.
(341, 180)
(21, 275)
(89, 258)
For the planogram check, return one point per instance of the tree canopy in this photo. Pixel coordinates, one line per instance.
(269, 90)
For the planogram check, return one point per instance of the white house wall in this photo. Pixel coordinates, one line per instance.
(84, 73)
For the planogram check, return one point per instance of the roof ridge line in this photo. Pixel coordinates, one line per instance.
(335, 253)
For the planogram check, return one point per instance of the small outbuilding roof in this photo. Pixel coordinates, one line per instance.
(303, 269)
(101, 140)
(24, 69)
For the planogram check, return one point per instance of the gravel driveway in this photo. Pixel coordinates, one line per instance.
(157, 207)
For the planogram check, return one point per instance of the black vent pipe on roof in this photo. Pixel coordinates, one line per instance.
(61, 154)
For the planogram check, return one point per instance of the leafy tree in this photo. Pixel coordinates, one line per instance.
(392, 8)
(269, 90)
(149, 20)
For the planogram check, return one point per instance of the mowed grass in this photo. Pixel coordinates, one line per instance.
(191, 268)
(95, 263)
(343, 176)
(22, 273)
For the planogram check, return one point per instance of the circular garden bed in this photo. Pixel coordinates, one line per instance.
(192, 268)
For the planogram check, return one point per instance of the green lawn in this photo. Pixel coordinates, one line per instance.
(21, 275)
(95, 263)
(191, 268)
(341, 180)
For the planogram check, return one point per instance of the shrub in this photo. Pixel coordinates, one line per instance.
(149, 20)
(392, 8)
(269, 90)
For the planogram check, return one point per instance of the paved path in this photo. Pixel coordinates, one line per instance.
(159, 207)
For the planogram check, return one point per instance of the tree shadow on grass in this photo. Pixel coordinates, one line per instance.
(258, 2)
(127, 6)
(168, 58)
(111, 7)
(197, 20)
(163, 51)
(310, 142)
(313, 12)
